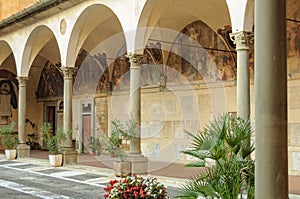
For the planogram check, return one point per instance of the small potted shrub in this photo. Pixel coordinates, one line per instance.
(94, 145)
(9, 140)
(113, 145)
(135, 187)
(53, 142)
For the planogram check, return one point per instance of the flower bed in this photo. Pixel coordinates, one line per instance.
(136, 187)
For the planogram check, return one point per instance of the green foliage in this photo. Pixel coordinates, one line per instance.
(94, 144)
(226, 141)
(120, 132)
(9, 140)
(53, 142)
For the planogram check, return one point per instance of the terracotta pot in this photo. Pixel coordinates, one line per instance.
(11, 154)
(55, 160)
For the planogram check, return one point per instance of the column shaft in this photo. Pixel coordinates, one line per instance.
(23, 148)
(242, 39)
(139, 163)
(68, 91)
(271, 160)
(69, 154)
(135, 102)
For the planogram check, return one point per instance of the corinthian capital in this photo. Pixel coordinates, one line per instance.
(134, 60)
(242, 39)
(68, 72)
(22, 80)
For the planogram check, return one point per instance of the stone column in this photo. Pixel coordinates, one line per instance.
(69, 154)
(22, 148)
(271, 159)
(139, 163)
(242, 41)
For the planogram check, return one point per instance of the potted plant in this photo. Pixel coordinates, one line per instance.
(53, 142)
(94, 145)
(226, 141)
(135, 187)
(113, 145)
(9, 140)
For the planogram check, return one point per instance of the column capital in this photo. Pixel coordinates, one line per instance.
(22, 80)
(134, 59)
(68, 72)
(242, 39)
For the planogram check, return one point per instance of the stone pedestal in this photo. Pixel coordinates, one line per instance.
(23, 151)
(139, 164)
(122, 169)
(69, 156)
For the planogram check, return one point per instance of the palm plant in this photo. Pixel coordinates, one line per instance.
(227, 142)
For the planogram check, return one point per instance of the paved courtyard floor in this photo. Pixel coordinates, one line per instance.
(97, 170)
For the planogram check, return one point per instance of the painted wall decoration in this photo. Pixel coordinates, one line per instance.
(293, 38)
(200, 53)
(50, 83)
(152, 69)
(8, 100)
(92, 73)
(120, 74)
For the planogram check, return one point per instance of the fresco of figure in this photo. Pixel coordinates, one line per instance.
(227, 70)
(8, 99)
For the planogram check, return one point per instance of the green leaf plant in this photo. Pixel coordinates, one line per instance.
(53, 141)
(226, 141)
(9, 140)
(120, 132)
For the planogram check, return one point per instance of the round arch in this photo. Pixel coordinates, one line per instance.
(176, 14)
(37, 40)
(87, 32)
(7, 62)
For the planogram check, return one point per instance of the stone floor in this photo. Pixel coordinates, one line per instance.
(164, 170)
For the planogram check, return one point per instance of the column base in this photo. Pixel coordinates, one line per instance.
(139, 163)
(23, 151)
(69, 156)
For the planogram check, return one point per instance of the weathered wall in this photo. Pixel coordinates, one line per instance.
(9, 7)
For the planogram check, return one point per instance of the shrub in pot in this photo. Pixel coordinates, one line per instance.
(53, 143)
(94, 145)
(113, 145)
(9, 140)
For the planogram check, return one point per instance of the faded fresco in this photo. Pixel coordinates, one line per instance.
(199, 53)
(51, 82)
(92, 73)
(120, 74)
(8, 100)
(293, 38)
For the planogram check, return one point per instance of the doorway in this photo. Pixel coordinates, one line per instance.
(51, 117)
(86, 131)
(87, 124)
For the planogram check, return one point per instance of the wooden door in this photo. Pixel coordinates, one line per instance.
(50, 118)
(86, 131)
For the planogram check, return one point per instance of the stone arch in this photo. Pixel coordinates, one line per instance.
(175, 14)
(87, 34)
(37, 40)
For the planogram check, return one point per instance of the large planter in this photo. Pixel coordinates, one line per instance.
(55, 160)
(122, 169)
(11, 154)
